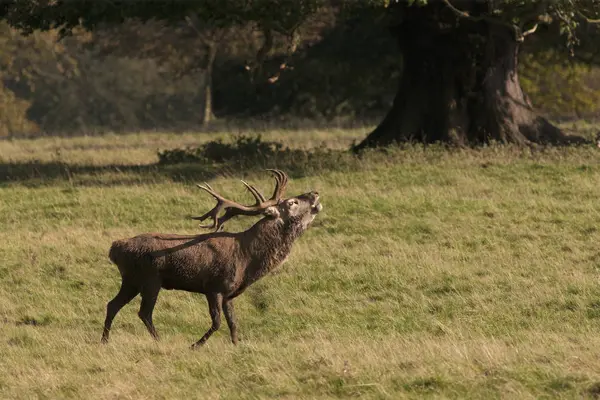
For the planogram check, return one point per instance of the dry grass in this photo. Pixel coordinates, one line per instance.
(430, 273)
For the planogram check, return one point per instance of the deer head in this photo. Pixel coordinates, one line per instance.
(302, 208)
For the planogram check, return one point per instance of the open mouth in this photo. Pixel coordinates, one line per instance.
(316, 207)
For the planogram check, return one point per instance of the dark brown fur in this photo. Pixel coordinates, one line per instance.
(220, 265)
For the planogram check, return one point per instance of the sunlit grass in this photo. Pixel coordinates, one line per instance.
(430, 273)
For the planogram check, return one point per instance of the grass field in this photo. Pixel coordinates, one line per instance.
(429, 273)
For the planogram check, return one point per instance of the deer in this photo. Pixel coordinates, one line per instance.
(221, 265)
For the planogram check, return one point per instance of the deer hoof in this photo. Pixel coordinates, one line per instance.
(196, 346)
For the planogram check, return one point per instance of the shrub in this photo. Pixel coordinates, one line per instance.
(243, 148)
(247, 152)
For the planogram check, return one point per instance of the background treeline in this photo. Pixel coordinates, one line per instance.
(187, 76)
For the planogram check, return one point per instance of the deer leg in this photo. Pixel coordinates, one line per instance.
(125, 295)
(214, 307)
(230, 317)
(149, 297)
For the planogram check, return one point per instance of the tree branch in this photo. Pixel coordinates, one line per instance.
(530, 31)
(458, 12)
(293, 39)
(255, 67)
(588, 20)
(533, 15)
(463, 14)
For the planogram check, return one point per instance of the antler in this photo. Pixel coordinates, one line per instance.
(281, 180)
(233, 209)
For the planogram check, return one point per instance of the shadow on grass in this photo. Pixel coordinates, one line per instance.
(38, 173)
(216, 158)
(34, 174)
(249, 155)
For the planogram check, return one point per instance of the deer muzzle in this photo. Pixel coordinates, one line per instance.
(316, 204)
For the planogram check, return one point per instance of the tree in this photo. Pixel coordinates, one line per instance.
(460, 81)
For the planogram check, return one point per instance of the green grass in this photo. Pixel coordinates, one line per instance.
(430, 273)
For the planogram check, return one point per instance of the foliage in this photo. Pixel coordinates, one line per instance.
(521, 16)
(348, 70)
(13, 115)
(549, 82)
(71, 88)
(280, 15)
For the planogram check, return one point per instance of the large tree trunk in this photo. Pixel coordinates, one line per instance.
(460, 85)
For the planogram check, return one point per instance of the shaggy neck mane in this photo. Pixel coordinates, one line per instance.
(270, 241)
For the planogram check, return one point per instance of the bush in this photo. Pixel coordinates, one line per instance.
(248, 152)
(244, 148)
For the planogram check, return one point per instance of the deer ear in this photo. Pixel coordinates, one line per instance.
(272, 212)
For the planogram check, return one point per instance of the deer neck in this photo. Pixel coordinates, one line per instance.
(269, 244)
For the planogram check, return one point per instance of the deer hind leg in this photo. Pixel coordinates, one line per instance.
(125, 295)
(214, 307)
(230, 317)
(149, 296)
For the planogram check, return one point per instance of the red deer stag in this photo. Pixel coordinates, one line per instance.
(220, 265)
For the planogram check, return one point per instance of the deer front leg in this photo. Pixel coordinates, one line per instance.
(149, 296)
(230, 317)
(214, 308)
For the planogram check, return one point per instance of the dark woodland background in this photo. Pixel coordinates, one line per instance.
(150, 76)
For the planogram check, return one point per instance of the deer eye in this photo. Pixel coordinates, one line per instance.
(292, 202)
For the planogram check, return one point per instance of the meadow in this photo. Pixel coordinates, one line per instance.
(431, 272)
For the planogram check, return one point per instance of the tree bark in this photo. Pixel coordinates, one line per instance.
(207, 115)
(460, 85)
